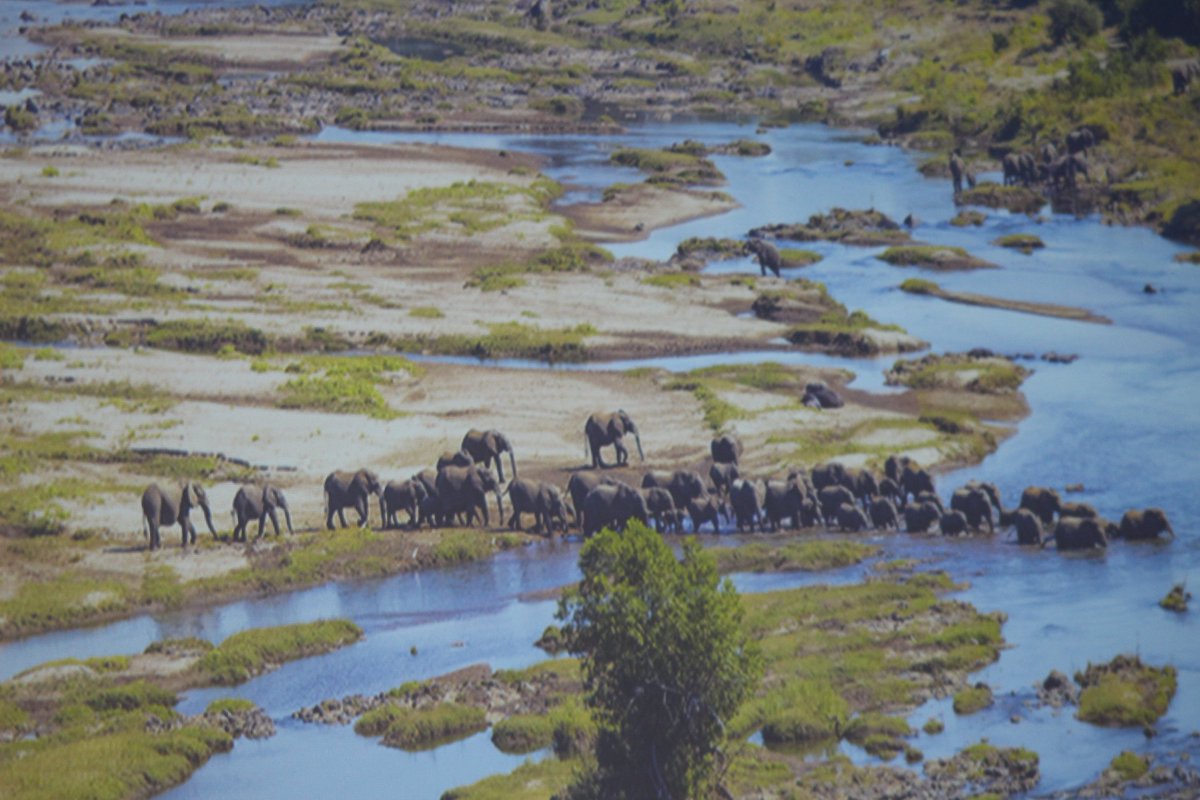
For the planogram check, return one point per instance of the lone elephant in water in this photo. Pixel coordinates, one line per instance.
(252, 503)
(1145, 524)
(159, 508)
(349, 490)
(487, 446)
(603, 429)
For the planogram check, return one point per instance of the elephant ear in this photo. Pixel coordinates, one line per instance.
(492, 440)
(188, 499)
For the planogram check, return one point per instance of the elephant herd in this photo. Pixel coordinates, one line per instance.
(831, 495)
(1050, 166)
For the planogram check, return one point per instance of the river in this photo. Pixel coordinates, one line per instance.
(1122, 420)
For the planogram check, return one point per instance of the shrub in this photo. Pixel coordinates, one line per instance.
(1076, 20)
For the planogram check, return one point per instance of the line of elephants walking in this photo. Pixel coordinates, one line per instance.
(1050, 166)
(828, 495)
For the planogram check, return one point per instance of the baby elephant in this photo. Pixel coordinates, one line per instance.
(252, 503)
(400, 496)
(662, 509)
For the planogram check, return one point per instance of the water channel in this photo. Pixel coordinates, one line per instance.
(1123, 420)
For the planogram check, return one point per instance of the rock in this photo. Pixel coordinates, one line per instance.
(1059, 358)
(1057, 690)
(818, 395)
(1149, 289)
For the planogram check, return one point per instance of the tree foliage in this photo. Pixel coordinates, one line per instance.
(664, 663)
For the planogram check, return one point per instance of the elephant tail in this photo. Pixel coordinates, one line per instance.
(145, 526)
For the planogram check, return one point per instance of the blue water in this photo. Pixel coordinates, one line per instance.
(1123, 420)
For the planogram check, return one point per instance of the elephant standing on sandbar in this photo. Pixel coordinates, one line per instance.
(767, 256)
(604, 429)
(487, 446)
(251, 503)
(158, 508)
(349, 490)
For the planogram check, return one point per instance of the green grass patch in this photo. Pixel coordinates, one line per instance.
(426, 312)
(509, 340)
(919, 286)
(794, 257)
(249, 653)
(1176, 599)
(1129, 766)
(972, 699)
(717, 412)
(129, 762)
(968, 217)
(672, 280)
(670, 167)
(1017, 199)
(421, 728)
(344, 384)
(933, 726)
(234, 705)
(206, 336)
(1125, 692)
(571, 256)
(959, 372)
(810, 556)
(471, 208)
(935, 257)
(1025, 242)
(161, 586)
(1188, 258)
(530, 781)
(61, 601)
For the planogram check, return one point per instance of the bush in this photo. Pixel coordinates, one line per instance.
(1076, 20)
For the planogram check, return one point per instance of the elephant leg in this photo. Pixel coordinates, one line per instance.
(597, 459)
(622, 452)
(152, 524)
(274, 523)
(514, 521)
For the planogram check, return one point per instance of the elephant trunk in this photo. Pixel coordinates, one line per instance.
(287, 515)
(208, 517)
(383, 515)
(512, 462)
(500, 504)
(638, 440)
(1170, 530)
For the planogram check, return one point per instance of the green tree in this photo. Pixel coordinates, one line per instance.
(1076, 20)
(665, 662)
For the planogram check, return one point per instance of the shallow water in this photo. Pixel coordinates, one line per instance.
(1122, 420)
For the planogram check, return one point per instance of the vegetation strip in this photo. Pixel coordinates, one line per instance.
(920, 286)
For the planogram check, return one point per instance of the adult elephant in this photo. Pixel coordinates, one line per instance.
(975, 506)
(783, 501)
(726, 449)
(1079, 533)
(1043, 502)
(1029, 527)
(704, 510)
(851, 518)
(160, 508)
(683, 484)
(743, 499)
(543, 500)
(661, 507)
(251, 502)
(1144, 524)
(464, 490)
(830, 474)
(603, 429)
(920, 517)
(1080, 140)
(1027, 165)
(349, 490)
(953, 523)
(767, 256)
(723, 476)
(866, 488)
(830, 499)
(612, 505)
(958, 171)
(891, 490)
(578, 486)
(914, 480)
(460, 458)
(400, 496)
(883, 514)
(487, 446)
(894, 466)
(1011, 166)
